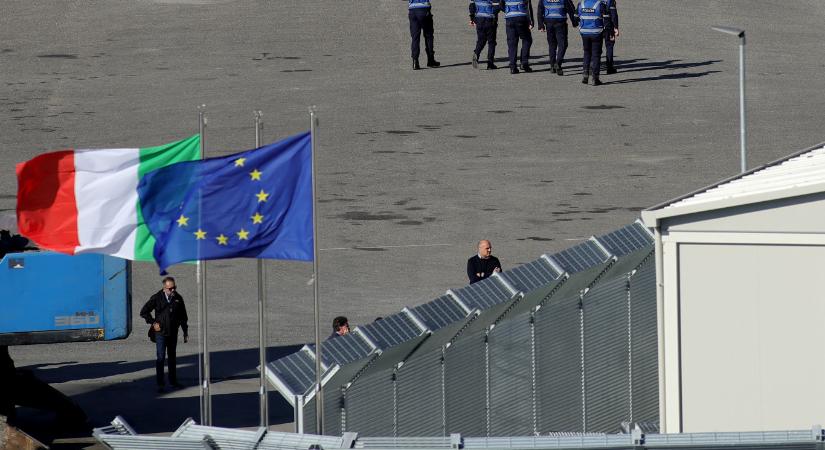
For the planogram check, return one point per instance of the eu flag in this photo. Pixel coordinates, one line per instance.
(253, 204)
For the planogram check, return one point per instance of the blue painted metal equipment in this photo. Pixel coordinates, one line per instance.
(49, 297)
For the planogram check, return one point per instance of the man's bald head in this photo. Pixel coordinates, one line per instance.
(485, 249)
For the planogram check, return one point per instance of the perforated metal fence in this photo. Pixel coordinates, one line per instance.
(566, 343)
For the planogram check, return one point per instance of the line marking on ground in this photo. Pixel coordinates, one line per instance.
(384, 246)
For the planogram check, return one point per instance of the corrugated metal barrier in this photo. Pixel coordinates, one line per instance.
(565, 343)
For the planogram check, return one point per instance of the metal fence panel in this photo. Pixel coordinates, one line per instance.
(465, 375)
(606, 356)
(627, 239)
(333, 410)
(297, 371)
(334, 396)
(558, 366)
(580, 257)
(644, 355)
(344, 349)
(369, 405)
(391, 330)
(484, 294)
(279, 440)
(531, 276)
(510, 346)
(309, 418)
(420, 395)
(440, 312)
(417, 443)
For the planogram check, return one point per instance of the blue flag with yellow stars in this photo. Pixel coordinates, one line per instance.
(253, 204)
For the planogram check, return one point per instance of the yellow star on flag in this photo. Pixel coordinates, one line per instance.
(243, 235)
(262, 196)
(239, 162)
(200, 234)
(222, 240)
(182, 221)
(257, 218)
(255, 174)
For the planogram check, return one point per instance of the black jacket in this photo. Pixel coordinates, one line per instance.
(170, 315)
(485, 267)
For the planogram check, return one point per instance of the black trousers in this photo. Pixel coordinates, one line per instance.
(592, 45)
(519, 28)
(166, 346)
(486, 34)
(421, 20)
(556, 39)
(609, 46)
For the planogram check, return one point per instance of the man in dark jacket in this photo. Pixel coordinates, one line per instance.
(553, 16)
(169, 314)
(483, 264)
(340, 327)
(610, 35)
(484, 17)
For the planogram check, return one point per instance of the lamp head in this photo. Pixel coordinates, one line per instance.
(738, 32)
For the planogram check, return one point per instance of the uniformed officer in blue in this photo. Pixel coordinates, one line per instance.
(610, 35)
(484, 17)
(553, 16)
(421, 19)
(593, 19)
(518, 15)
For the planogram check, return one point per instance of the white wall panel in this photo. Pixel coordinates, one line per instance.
(750, 329)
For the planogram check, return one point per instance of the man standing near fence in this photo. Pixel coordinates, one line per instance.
(483, 264)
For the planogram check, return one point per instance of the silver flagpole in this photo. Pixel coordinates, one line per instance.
(319, 399)
(206, 399)
(263, 398)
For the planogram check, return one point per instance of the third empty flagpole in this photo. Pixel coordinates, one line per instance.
(262, 394)
(206, 398)
(319, 400)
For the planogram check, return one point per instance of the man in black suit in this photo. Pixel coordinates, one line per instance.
(170, 313)
(483, 264)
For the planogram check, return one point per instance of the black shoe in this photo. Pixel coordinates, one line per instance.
(597, 82)
(514, 70)
(416, 66)
(585, 79)
(431, 62)
(553, 67)
(559, 71)
(491, 66)
(526, 68)
(177, 385)
(475, 61)
(611, 70)
(161, 389)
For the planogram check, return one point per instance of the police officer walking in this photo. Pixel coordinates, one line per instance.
(484, 17)
(611, 34)
(553, 18)
(593, 19)
(518, 15)
(421, 19)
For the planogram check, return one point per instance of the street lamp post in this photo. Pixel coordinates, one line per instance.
(742, 132)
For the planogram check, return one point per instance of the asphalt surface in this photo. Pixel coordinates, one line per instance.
(413, 167)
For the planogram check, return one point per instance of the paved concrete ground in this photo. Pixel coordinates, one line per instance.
(413, 167)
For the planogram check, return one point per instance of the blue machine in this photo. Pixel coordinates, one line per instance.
(49, 297)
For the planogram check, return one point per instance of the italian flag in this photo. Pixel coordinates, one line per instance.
(86, 201)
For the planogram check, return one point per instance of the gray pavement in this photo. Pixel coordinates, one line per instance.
(413, 167)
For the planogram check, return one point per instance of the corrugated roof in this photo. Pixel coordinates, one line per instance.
(801, 173)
